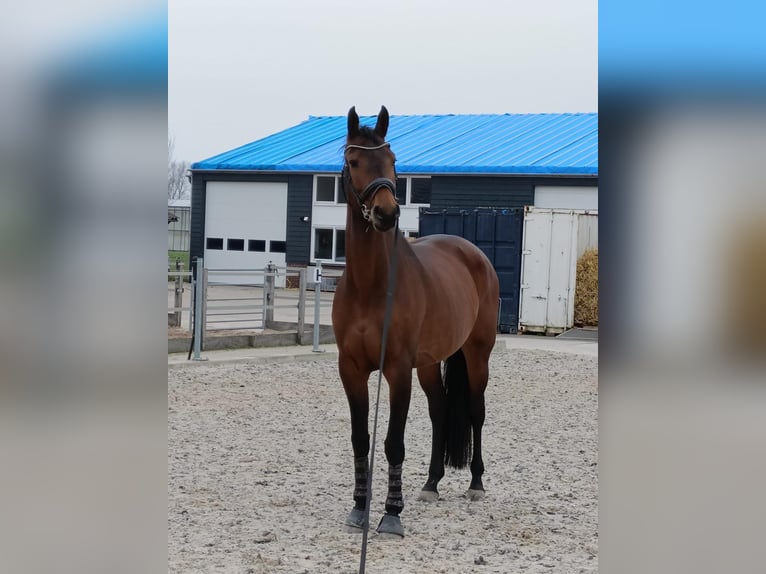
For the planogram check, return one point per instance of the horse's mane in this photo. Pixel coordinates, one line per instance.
(369, 133)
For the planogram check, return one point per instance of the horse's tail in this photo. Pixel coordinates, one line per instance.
(457, 451)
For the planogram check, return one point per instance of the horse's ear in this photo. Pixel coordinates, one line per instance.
(381, 127)
(353, 122)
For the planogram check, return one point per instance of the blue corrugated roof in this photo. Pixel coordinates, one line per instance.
(545, 144)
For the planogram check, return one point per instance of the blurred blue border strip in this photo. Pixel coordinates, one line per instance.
(127, 58)
(682, 47)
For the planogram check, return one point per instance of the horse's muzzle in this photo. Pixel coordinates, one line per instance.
(383, 219)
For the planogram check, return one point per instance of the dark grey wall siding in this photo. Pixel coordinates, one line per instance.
(472, 192)
(299, 195)
(446, 191)
(197, 238)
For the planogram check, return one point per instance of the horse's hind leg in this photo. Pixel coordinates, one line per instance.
(430, 378)
(477, 362)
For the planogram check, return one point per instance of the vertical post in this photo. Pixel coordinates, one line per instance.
(191, 303)
(203, 317)
(179, 294)
(317, 301)
(269, 281)
(198, 313)
(264, 297)
(302, 306)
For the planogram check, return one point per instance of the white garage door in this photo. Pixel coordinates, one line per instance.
(245, 228)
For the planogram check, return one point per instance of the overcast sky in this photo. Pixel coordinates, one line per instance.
(240, 70)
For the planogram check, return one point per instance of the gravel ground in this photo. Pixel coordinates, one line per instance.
(261, 473)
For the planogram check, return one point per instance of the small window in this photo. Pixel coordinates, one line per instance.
(341, 195)
(414, 234)
(256, 245)
(420, 190)
(235, 244)
(401, 190)
(325, 188)
(340, 245)
(278, 246)
(214, 243)
(323, 244)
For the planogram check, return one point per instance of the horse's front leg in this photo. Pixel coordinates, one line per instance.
(355, 384)
(399, 379)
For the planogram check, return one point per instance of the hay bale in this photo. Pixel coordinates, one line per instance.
(744, 284)
(586, 289)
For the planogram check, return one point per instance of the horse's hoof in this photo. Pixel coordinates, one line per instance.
(474, 495)
(391, 527)
(354, 521)
(428, 495)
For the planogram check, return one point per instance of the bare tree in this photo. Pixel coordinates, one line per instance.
(178, 185)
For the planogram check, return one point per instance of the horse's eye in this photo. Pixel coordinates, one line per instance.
(353, 163)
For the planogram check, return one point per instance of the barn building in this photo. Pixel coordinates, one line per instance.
(179, 224)
(277, 199)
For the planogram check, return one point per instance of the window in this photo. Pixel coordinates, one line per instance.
(341, 196)
(401, 190)
(325, 188)
(214, 243)
(323, 244)
(278, 246)
(420, 190)
(413, 234)
(235, 244)
(413, 190)
(256, 245)
(330, 244)
(340, 245)
(409, 190)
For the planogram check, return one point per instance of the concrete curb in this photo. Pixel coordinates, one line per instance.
(262, 355)
(274, 359)
(253, 341)
(295, 353)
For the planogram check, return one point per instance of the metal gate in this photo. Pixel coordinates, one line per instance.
(497, 232)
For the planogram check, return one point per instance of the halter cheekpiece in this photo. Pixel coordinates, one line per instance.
(372, 188)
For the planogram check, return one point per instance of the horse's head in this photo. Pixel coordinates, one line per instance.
(370, 170)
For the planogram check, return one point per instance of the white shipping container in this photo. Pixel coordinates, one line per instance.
(553, 240)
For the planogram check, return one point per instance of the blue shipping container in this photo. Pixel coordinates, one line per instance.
(498, 233)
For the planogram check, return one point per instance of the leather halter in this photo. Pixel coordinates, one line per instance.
(372, 188)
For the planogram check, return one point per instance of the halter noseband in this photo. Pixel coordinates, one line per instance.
(372, 188)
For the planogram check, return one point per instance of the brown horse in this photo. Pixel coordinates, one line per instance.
(445, 307)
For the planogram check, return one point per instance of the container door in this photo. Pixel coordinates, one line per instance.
(549, 264)
(497, 232)
(563, 267)
(535, 265)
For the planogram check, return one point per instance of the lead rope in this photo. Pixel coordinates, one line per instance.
(386, 325)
